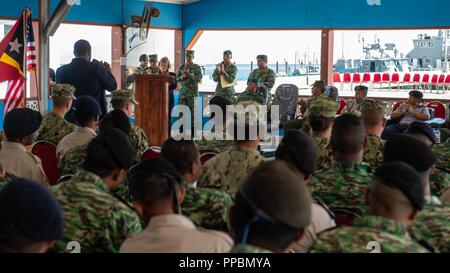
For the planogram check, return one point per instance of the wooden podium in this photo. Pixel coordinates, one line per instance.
(152, 113)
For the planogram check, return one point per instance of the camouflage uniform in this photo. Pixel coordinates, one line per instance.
(266, 78)
(141, 70)
(207, 208)
(432, 225)
(373, 151)
(226, 170)
(240, 248)
(53, 127)
(189, 85)
(325, 159)
(229, 76)
(343, 186)
(442, 153)
(439, 182)
(353, 108)
(215, 145)
(391, 235)
(92, 216)
(72, 160)
(152, 71)
(249, 96)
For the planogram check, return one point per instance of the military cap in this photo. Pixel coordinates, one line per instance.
(118, 144)
(274, 190)
(32, 210)
(299, 149)
(227, 52)
(369, 104)
(190, 53)
(423, 129)
(143, 57)
(254, 80)
(403, 177)
(322, 106)
(126, 95)
(262, 57)
(416, 94)
(361, 88)
(21, 122)
(87, 104)
(153, 57)
(410, 150)
(63, 90)
(320, 84)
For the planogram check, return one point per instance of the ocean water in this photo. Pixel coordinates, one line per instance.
(245, 69)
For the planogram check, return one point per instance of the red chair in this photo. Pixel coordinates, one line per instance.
(439, 109)
(425, 81)
(206, 156)
(46, 151)
(342, 104)
(376, 79)
(447, 81)
(386, 78)
(344, 217)
(416, 80)
(434, 81)
(396, 80)
(347, 79)
(65, 178)
(397, 105)
(337, 79)
(441, 83)
(152, 152)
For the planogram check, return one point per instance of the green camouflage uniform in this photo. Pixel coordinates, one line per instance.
(152, 71)
(373, 151)
(73, 160)
(229, 76)
(249, 96)
(343, 186)
(439, 182)
(266, 79)
(189, 85)
(141, 70)
(240, 248)
(226, 170)
(325, 159)
(92, 216)
(216, 146)
(139, 140)
(207, 208)
(442, 152)
(432, 225)
(391, 235)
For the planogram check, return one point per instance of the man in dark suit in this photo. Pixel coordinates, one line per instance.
(89, 78)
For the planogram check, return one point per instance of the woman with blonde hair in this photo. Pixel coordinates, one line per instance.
(164, 67)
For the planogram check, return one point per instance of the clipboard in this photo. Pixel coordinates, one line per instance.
(226, 84)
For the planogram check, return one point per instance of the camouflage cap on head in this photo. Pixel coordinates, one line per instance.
(190, 53)
(153, 57)
(227, 52)
(323, 106)
(63, 90)
(262, 57)
(143, 57)
(253, 79)
(369, 104)
(320, 84)
(126, 95)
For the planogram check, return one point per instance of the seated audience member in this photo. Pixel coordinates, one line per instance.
(217, 145)
(124, 100)
(272, 209)
(372, 114)
(157, 192)
(74, 158)
(92, 215)
(320, 118)
(206, 207)
(411, 111)
(354, 105)
(86, 111)
(30, 218)
(431, 227)
(298, 149)
(226, 170)
(53, 127)
(20, 128)
(254, 92)
(343, 186)
(439, 179)
(394, 199)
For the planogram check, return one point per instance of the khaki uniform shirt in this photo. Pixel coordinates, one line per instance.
(445, 197)
(176, 234)
(80, 136)
(16, 160)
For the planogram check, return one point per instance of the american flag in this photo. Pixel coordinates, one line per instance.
(16, 87)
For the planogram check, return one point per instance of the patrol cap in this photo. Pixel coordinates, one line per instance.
(403, 177)
(153, 57)
(143, 57)
(87, 104)
(118, 144)
(370, 104)
(297, 148)
(32, 209)
(190, 53)
(227, 52)
(320, 84)
(126, 95)
(274, 190)
(322, 106)
(410, 150)
(21, 122)
(262, 57)
(416, 94)
(423, 129)
(63, 90)
(361, 88)
(254, 80)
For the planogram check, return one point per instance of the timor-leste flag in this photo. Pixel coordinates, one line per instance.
(12, 52)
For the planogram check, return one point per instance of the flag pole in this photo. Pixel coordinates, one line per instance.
(24, 65)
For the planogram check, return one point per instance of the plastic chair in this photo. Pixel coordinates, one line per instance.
(344, 217)
(376, 79)
(207, 156)
(434, 81)
(406, 79)
(46, 151)
(416, 80)
(425, 81)
(396, 80)
(386, 78)
(152, 152)
(342, 104)
(348, 79)
(337, 79)
(439, 109)
(441, 83)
